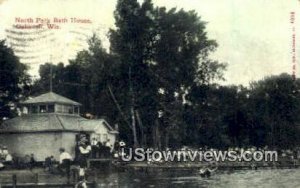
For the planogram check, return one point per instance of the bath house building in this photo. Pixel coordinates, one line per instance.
(48, 122)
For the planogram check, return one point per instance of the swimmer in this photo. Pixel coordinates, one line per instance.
(206, 171)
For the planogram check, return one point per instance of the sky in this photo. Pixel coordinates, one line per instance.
(254, 36)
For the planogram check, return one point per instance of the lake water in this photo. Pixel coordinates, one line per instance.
(266, 178)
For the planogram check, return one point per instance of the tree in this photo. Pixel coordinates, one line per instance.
(14, 81)
(181, 50)
(163, 54)
(131, 42)
(89, 75)
(276, 107)
(158, 84)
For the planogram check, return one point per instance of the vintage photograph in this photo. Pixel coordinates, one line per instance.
(150, 93)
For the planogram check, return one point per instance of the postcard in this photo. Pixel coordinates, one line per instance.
(155, 93)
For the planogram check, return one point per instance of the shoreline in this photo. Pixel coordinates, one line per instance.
(38, 177)
(199, 165)
(115, 165)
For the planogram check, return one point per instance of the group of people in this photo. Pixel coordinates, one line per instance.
(101, 150)
(5, 157)
(85, 150)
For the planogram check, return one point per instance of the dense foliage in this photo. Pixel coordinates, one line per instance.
(14, 81)
(158, 84)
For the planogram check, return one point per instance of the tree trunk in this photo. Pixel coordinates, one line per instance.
(167, 140)
(133, 122)
(118, 106)
(141, 126)
(156, 136)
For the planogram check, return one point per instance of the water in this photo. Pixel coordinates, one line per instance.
(281, 178)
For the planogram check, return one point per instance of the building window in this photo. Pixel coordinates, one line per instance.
(59, 108)
(43, 108)
(34, 109)
(25, 110)
(70, 109)
(76, 110)
(51, 108)
(67, 109)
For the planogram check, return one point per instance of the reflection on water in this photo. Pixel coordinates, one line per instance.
(289, 178)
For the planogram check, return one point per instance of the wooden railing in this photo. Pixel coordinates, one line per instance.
(13, 182)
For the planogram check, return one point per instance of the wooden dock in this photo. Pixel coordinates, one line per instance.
(38, 178)
(99, 161)
(14, 183)
(37, 185)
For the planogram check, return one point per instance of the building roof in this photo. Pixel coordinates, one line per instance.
(41, 122)
(50, 97)
(52, 123)
(88, 125)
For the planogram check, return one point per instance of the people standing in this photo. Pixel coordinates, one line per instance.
(110, 148)
(5, 150)
(64, 162)
(8, 159)
(49, 164)
(100, 150)
(1, 152)
(104, 150)
(32, 162)
(108, 145)
(107, 149)
(95, 148)
(116, 146)
(85, 151)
